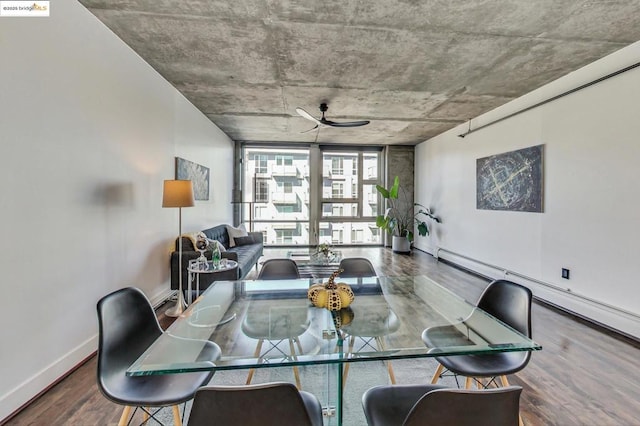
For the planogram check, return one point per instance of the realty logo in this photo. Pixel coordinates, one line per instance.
(24, 8)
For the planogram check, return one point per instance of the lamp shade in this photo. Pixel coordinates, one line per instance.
(177, 193)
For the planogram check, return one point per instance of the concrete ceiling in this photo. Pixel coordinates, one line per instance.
(415, 68)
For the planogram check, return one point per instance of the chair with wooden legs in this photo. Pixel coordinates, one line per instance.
(510, 303)
(372, 321)
(356, 267)
(127, 327)
(277, 324)
(279, 269)
(420, 405)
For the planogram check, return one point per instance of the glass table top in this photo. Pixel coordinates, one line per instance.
(237, 314)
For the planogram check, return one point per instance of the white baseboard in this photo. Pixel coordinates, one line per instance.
(23, 393)
(602, 314)
(159, 298)
(608, 316)
(27, 390)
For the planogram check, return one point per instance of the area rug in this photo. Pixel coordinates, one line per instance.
(362, 376)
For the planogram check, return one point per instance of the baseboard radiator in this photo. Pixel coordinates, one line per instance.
(169, 296)
(490, 270)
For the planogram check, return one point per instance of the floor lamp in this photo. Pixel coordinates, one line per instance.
(178, 193)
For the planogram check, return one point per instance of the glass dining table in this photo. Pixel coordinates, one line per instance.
(271, 324)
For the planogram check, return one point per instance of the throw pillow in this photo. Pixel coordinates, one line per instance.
(240, 231)
(243, 241)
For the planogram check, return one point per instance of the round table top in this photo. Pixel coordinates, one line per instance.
(197, 268)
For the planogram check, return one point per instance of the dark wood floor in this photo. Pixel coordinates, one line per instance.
(583, 376)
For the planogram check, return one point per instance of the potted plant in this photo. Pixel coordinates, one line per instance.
(400, 217)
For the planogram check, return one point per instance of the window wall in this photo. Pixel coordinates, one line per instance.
(349, 197)
(276, 200)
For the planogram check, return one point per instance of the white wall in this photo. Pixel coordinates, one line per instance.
(88, 132)
(590, 222)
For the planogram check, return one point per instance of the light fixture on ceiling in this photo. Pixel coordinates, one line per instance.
(323, 122)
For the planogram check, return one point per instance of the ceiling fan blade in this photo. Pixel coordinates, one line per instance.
(348, 123)
(306, 115)
(323, 122)
(311, 129)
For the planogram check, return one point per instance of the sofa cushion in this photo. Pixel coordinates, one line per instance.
(247, 257)
(243, 241)
(234, 233)
(218, 233)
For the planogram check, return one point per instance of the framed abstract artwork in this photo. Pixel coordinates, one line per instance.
(196, 173)
(511, 181)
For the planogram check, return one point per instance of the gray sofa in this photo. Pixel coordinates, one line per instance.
(246, 255)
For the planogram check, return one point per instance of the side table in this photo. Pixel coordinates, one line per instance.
(196, 269)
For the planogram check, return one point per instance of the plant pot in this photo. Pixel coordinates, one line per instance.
(400, 245)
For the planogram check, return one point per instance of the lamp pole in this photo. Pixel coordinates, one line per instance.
(178, 193)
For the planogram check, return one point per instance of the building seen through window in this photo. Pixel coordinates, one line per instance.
(276, 186)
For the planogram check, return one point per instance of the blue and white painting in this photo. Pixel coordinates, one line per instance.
(510, 181)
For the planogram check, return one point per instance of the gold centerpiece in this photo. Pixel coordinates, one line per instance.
(331, 295)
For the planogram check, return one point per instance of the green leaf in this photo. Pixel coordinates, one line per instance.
(399, 219)
(385, 223)
(382, 191)
(391, 223)
(393, 192)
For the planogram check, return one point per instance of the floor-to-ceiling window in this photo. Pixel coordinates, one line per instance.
(277, 184)
(276, 194)
(349, 202)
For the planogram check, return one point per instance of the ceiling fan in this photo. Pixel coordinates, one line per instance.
(323, 122)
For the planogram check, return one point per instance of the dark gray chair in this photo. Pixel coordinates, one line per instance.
(428, 405)
(356, 267)
(270, 404)
(127, 327)
(510, 303)
(371, 321)
(279, 269)
(275, 327)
